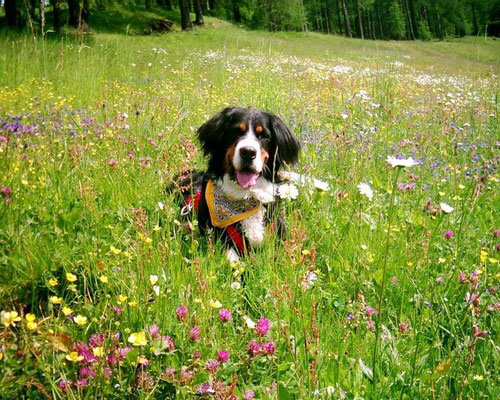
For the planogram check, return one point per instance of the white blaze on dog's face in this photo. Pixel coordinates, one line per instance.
(246, 144)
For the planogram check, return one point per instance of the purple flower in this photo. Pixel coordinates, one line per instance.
(370, 311)
(225, 315)
(253, 348)
(86, 372)
(462, 278)
(6, 190)
(181, 312)
(117, 309)
(350, 317)
(404, 327)
(154, 331)
(3, 139)
(477, 333)
(96, 340)
(194, 334)
(223, 356)
(262, 326)
(112, 162)
(268, 348)
(212, 366)
(205, 388)
(496, 232)
(107, 372)
(370, 324)
(169, 373)
(82, 383)
(248, 395)
(65, 384)
(168, 342)
(448, 234)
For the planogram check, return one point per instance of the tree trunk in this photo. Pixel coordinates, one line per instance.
(410, 25)
(379, 20)
(474, 20)
(339, 17)
(328, 17)
(236, 11)
(185, 20)
(346, 20)
(360, 20)
(197, 11)
(13, 14)
(56, 14)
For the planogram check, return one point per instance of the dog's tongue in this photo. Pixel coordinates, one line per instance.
(246, 179)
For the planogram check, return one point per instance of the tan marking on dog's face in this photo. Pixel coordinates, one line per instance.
(228, 160)
(258, 129)
(243, 127)
(265, 155)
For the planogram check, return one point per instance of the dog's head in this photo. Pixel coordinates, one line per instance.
(247, 143)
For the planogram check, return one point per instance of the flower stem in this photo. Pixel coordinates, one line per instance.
(384, 273)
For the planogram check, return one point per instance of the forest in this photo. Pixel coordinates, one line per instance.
(365, 19)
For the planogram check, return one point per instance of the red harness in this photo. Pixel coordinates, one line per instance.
(231, 230)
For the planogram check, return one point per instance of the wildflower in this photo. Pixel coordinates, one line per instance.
(448, 234)
(112, 162)
(65, 384)
(253, 348)
(249, 322)
(287, 191)
(212, 366)
(55, 299)
(446, 208)
(70, 277)
(235, 285)
(132, 303)
(404, 326)
(156, 289)
(406, 162)
(96, 340)
(225, 315)
(370, 311)
(104, 279)
(86, 372)
(223, 356)
(117, 309)
(483, 255)
(215, 304)
(365, 190)
(472, 298)
(169, 373)
(496, 232)
(194, 334)
(268, 348)
(154, 331)
(248, 395)
(53, 282)
(370, 324)
(98, 351)
(153, 279)
(262, 327)
(122, 299)
(6, 190)
(80, 320)
(478, 377)
(308, 280)
(168, 343)
(138, 339)
(205, 388)
(82, 383)
(477, 333)
(31, 324)
(142, 360)
(74, 357)
(181, 312)
(10, 318)
(67, 311)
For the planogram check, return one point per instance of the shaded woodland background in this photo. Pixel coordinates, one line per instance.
(366, 19)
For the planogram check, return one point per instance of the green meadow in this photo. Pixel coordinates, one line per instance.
(388, 291)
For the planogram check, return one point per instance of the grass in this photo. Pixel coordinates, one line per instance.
(93, 132)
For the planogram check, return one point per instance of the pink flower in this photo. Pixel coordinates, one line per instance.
(268, 348)
(370, 324)
(112, 162)
(248, 395)
(223, 356)
(169, 374)
(225, 315)
(370, 311)
(107, 372)
(86, 372)
(448, 234)
(154, 331)
(253, 348)
(194, 334)
(96, 340)
(462, 278)
(82, 383)
(404, 327)
(6, 190)
(181, 312)
(212, 366)
(65, 384)
(477, 333)
(496, 232)
(205, 388)
(262, 326)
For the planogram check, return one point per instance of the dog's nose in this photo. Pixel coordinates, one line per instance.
(248, 153)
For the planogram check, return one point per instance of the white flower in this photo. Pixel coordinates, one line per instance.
(405, 162)
(161, 206)
(308, 280)
(345, 115)
(249, 322)
(446, 208)
(153, 279)
(365, 190)
(288, 191)
(321, 185)
(235, 285)
(156, 289)
(149, 64)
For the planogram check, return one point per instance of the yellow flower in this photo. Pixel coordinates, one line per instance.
(483, 255)
(306, 252)
(493, 260)
(1, 356)
(156, 228)
(67, 311)
(122, 299)
(98, 351)
(153, 279)
(103, 279)
(30, 317)
(73, 356)
(215, 304)
(148, 240)
(53, 282)
(142, 359)
(114, 250)
(138, 339)
(132, 303)
(55, 300)
(478, 377)
(10, 318)
(70, 277)
(441, 260)
(31, 325)
(80, 320)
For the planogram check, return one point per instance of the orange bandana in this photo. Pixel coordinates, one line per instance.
(225, 211)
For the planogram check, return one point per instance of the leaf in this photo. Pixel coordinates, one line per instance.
(365, 369)
(283, 393)
(61, 342)
(443, 368)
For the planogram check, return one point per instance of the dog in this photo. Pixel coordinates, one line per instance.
(246, 149)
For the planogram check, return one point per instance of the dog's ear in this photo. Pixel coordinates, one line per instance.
(211, 132)
(288, 146)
